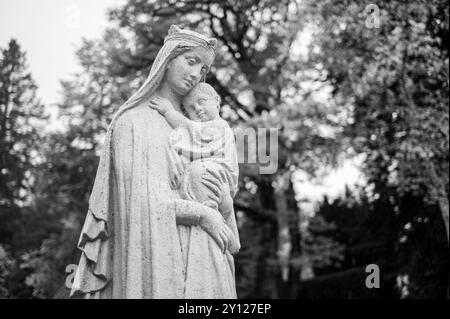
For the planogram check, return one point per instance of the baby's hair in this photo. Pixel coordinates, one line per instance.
(208, 89)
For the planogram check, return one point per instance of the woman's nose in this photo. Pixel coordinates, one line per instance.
(196, 75)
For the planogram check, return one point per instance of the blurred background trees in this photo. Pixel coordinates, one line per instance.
(332, 86)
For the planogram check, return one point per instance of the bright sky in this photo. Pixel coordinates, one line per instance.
(310, 192)
(50, 31)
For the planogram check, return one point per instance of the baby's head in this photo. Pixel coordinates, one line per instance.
(202, 103)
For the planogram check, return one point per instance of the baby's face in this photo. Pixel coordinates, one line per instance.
(201, 107)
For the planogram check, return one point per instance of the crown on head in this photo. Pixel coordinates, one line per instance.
(176, 33)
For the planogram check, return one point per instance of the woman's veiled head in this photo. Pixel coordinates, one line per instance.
(174, 65)
(187, 68)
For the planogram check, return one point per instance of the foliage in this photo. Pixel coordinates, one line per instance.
(381, 92)
(21, 114)
(396, 78)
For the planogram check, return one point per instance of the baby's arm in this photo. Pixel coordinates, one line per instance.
(204, 152)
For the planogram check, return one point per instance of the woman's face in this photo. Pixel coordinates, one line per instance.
(186, 70)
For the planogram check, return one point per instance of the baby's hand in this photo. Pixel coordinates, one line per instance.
(160, 104)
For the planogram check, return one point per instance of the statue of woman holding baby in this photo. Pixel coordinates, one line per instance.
(161, 224)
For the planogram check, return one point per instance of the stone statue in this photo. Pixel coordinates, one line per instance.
(161, 222)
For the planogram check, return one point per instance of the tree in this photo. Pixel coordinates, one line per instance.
(396, 79)
(259, 83)
(21, 113)
(22, 119)
(347, 95)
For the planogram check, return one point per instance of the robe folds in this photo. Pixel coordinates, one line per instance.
(131, 245)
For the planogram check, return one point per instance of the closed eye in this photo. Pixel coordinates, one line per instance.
(195, 59)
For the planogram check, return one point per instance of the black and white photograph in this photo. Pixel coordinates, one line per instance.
(224, 150)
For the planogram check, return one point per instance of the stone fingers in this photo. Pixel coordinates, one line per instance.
(220, 241)
(216, 175)
(224, 237)
(212, 187)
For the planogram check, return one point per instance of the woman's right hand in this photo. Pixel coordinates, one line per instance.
(213, 223)
(189, 213)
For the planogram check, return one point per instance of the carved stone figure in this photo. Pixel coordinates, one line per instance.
(155, 228)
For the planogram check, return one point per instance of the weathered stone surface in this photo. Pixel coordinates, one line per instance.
(141, 237)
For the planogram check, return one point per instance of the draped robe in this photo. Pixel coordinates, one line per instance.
(141, 252)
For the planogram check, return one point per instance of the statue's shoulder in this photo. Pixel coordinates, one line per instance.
(134, 116)
(138, 119)
(125, 123)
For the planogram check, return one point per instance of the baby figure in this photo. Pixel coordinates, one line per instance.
(205, 143)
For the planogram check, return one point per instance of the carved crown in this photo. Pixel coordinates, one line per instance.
(176, 33)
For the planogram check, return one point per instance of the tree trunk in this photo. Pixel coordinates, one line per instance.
(288, 235)
(441, 193)
(443, 205)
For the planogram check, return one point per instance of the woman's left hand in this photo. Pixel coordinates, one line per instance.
(213, 223)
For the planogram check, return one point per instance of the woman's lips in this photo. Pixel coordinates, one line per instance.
(201, 115)
(189, 83)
